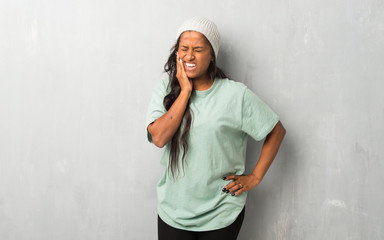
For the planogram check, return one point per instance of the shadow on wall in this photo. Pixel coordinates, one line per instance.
(264, 204)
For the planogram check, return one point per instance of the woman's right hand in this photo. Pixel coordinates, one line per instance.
(185, 83)
(164, 128)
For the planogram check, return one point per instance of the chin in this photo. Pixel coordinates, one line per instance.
(191, 75)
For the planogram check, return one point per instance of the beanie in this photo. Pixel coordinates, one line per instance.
(205, 27)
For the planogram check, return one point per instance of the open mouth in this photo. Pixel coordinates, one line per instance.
(190, 66)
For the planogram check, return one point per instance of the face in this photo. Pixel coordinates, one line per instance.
(196, 53)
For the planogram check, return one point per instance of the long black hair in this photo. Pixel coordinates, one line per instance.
(170, 67)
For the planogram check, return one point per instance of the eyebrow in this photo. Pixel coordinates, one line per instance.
(193, 48)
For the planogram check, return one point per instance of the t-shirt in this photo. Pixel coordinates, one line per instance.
(222, 118)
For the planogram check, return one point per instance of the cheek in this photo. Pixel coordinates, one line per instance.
(206, 60)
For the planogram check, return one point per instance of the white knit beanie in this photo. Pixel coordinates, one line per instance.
(205, 27)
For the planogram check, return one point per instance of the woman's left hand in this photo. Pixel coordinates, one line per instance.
(241, 183)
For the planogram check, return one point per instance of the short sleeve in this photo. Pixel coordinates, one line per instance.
(156, 108)
(258, 119)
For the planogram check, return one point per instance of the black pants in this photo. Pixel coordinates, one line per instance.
(166, 232)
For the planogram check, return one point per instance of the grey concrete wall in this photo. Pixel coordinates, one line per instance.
(76, 78)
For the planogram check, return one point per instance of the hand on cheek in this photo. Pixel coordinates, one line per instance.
(181, 75)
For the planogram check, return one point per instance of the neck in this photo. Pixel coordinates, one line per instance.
(203, 83)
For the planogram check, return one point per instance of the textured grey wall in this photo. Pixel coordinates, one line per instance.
(76, 78)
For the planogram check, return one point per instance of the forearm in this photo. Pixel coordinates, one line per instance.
(269, 151)
(163, 129)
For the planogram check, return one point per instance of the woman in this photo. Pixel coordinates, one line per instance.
(203, 119)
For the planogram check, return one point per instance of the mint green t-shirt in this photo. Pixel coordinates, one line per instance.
(222, 118)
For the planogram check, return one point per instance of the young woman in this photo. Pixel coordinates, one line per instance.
(203, 119)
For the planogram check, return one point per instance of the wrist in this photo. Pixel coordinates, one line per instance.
(186, 92)
(256, 178)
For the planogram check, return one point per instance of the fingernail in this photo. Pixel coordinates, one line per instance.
(224, 189)
(227, 191)
(224, 178)
(233, 194)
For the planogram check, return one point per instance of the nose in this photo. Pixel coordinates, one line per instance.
(189, 55)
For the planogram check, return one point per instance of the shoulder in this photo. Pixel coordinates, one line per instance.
(163, 82)
(231, 86)
(161, 85)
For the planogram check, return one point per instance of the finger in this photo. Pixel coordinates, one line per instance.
(228, 186)
(177, 61)
(238, 192)
(182, 68)
(179, 67)
(231, 177)
(235, 187)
